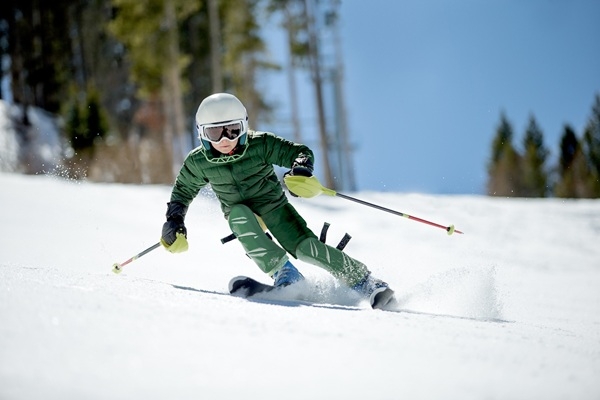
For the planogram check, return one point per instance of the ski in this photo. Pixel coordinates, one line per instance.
(245, 286)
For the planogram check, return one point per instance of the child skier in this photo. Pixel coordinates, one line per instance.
(238, 164)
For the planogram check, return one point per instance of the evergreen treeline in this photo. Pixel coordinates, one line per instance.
(132, 72)
(526, 173)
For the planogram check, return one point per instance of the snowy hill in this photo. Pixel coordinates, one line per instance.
(510, 310)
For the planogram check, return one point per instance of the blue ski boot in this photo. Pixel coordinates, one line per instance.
(287, 275)
(377, 291)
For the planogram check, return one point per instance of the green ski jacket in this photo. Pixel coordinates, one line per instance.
(249, 179)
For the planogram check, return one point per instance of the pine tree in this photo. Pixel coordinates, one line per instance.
(85, 123)
(503, 169)
(149, 30)
(568, 166)
(569, 145)
(94, 117)
(534, 177)
(74, 128)
(591, 142)
(35, 35)
(576, 179)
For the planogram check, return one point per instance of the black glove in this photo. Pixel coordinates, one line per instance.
(175, 217)
(302, 166)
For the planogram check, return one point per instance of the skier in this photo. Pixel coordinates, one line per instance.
(238, 164)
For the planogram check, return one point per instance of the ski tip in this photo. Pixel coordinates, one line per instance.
(383, 299)
(236, 283)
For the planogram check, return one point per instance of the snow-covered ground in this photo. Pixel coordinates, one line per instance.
(510, 310)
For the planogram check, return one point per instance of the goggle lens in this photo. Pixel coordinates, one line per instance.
(217, 133)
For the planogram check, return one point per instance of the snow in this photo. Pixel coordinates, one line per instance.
(509, 310)
(36, 148)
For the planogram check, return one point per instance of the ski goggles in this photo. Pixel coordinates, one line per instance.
(216, 133)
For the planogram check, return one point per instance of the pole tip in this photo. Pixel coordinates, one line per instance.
(116, 268)
(450, 229)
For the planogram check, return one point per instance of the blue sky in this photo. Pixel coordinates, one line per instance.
(426, 82)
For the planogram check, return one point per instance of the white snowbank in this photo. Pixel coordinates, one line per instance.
(35, 148)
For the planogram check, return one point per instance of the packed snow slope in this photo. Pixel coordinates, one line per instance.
(509, 310)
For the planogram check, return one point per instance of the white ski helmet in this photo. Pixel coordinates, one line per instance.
(220, 110)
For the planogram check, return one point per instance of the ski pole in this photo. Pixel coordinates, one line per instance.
(310, 187)
(117, 268)
(450, 229)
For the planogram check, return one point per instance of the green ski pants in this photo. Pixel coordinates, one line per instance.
(292, 233)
